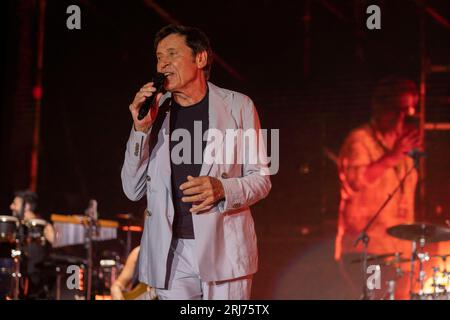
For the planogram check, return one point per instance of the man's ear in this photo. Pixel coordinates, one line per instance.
(201, 59)
(26, 207)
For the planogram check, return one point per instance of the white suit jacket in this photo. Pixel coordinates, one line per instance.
(225, 238)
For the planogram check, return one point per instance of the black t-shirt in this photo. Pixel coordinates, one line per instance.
(186, 118)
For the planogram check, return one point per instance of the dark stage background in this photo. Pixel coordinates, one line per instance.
(308, 65)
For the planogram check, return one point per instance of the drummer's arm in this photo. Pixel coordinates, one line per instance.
(404, 143)
(357, 170)
(49, 233)
(379, 167)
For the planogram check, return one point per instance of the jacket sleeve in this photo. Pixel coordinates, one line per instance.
(254, 184)
(134, 168)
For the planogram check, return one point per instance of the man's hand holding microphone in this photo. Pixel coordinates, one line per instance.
(150, 93)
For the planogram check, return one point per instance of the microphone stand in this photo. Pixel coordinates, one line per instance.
(91, 231)
(364, 237)
(17, 255)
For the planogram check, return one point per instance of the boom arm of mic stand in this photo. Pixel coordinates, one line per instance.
(364, 237)
(363, 233)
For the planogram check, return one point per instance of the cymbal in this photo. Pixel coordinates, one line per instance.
(441, 256)
(384, 259)
(371, 257)
(418, 231)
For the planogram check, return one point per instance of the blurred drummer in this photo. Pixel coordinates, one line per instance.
(38, 280)
(23, 207)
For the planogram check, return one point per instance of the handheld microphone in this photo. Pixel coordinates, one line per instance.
(158, 82)
(416, 153)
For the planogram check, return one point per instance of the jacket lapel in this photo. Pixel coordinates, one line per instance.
(217, 114)
(163, 165)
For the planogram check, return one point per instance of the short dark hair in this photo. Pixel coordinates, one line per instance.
(195, 38)
(28, 197)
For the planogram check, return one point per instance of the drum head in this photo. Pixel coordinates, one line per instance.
(6, 219)
(35, 223)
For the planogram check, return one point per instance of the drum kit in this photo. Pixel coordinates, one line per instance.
(432, 286)
(81, 242)
(15, 236)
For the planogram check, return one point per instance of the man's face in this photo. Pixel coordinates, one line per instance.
(16, 206)
(393, 119)
(177, 62)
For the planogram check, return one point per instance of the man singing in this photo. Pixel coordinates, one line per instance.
(199, 239)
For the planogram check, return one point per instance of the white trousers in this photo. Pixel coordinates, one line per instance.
(185, 282)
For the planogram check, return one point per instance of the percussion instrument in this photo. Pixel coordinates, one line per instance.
(34, 230)
(420, 232)
(9, 227)
(71, 230)
(436, 286)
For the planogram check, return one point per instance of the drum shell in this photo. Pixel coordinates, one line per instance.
(8, 229)
(34, 230)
